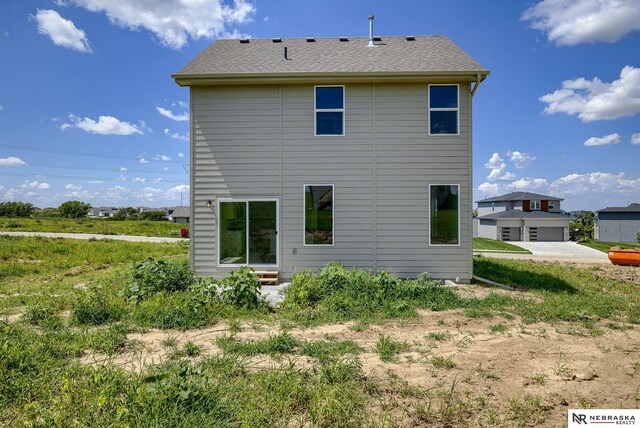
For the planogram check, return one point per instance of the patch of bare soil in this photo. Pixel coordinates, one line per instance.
(627, 274)
(474, 374)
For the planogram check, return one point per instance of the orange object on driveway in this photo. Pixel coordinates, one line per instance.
(624, 257)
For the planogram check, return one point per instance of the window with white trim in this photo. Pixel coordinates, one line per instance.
(444, 214)
(318, 214)
(329, 110)
(552, 205)
(535, 205)
(444, 112)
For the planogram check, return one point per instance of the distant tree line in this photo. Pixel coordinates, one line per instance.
(74, 209)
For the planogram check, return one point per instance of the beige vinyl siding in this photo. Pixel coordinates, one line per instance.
(258, 141)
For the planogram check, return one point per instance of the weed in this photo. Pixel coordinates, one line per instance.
(536, 379)
(486, 373)
(323, 350)
(439, 336)
(170, 342)
(241, 288)
(95, 308)
(273, 345)
(498, 328)
(109, 340)
(439, 362)
(387, 348)
(156, 276)
(192, 350)
(234, 325)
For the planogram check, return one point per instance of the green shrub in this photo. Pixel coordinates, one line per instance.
(241, 289)
(304, 291)
(155, 276)
(172, 310)
(95, 308)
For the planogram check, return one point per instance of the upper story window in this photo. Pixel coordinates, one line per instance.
(535, 205)
(444, 110)
(552, 205)
(329, 110)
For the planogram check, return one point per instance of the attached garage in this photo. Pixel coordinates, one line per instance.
(546, 234)
(510, 234)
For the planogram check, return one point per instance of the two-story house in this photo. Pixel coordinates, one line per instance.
(618, 224)
(354, 150)
(522, 216)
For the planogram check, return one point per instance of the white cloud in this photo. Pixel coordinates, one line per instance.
(598, 183)
(143, 160)
(176, 136)
(181, 155)
(72, 187)
(183, 104)
(520, 159)
(174, 22)
(571, 22)
(497, 166)
(528, 183)
(163, 158)
(597, 100)
(35, 185)
(123, 169)
(12, 161)
(635, 138)
(603, 141)
(183, 117)
(489, 188)
(138, 180)
(61, 31)
(106, 125)
(1, 107)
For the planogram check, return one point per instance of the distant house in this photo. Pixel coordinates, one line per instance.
(354, 150)
(618, 224)
(522, 216)
(103, 212)
(180, 215)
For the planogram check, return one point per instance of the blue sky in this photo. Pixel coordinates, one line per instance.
(88, 109)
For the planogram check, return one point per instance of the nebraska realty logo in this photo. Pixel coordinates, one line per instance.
(604, 417)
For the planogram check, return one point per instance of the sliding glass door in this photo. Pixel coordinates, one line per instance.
(248, 232)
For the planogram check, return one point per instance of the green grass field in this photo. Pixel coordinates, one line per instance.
(486, 244)
(92, 225)
(604, 246)
(61, 302)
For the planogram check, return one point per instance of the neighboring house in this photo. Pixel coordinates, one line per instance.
(316, 150)
(180, 215)
(522, 216)
(618, 224)
(103, 212)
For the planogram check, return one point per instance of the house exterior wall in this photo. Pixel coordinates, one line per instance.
(487, 229)
(258, 142)
(617, 227)
(486, 208)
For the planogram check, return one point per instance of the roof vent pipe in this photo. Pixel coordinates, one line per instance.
(371, 43)
(286, 57)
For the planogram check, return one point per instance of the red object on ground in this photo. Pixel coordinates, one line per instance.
(184, 232)
(624, 257)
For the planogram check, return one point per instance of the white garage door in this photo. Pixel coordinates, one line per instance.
(550, 234)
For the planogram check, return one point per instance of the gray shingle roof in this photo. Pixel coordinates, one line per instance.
(519, 196)
(516, 214)
(633, 208)
(181, 212)
(423, 55)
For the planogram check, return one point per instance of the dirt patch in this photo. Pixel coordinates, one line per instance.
(627, 274)
(504, 364)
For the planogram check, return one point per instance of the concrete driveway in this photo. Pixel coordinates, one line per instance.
(556, 251)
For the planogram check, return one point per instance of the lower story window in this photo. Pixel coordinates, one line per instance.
(318, 214)
(444, 215)
(248, 232)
